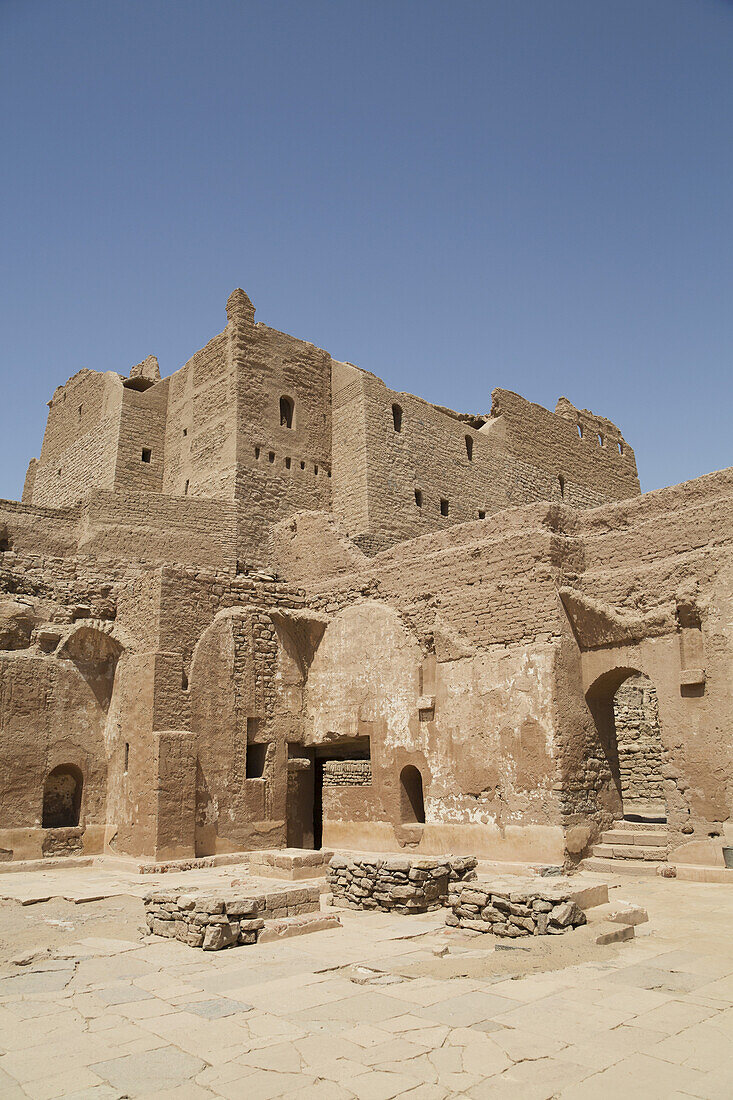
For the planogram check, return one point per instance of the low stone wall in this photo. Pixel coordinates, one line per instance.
(225, 919)
(399, 884)
(517, 908)
(67, 841)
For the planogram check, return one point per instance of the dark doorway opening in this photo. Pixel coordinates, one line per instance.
(355, 749)
(62, 797)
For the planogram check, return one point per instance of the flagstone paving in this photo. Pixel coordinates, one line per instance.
(369, 1012)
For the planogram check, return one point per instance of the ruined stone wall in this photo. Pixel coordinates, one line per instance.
(200, 448)
(213, 658)
(79, 451)
(636, 717)
(404, 467)
(652, 562)
(587, 450)
(281, 467)
(141, 449)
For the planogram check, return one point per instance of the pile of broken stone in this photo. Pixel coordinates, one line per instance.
(401, 884)
(514, 909)
(208, 922)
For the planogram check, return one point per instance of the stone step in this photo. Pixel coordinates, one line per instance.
(290, 863)
(607, 932)
(617, 913)
(629, 851)
(638, 867)
(649, 838)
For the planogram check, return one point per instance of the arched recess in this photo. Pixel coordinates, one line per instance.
(624, 706)
(95, 654)
(223, 704)
(361, 700)
(412, 802)
(62, 791)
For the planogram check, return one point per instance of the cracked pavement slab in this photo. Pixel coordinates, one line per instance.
(368, 1011)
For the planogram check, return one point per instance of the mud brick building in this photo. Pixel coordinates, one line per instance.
(269, 601)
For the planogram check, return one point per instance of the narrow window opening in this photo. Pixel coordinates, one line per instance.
(418, 497)
(328, 473)
(80, 411)
(257, 452)
(481, 514)
(444, 507)
(256, 758)
(287, 463)
(600, 440)
(315, 471)
(561, 483)
(302, 465)
(147, 454)
(185, 488)
(397, 418)
(127, 756)
(184, 679)
(185, 432)
(287, 407)
(469, 448)
(620, 447)
(580, 430)
(271, 456)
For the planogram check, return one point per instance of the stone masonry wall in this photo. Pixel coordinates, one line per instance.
(636, 714)
(347, 773)
(227, 919)
(396, 884)
(514, 908)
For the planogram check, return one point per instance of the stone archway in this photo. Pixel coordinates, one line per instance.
(625, 710)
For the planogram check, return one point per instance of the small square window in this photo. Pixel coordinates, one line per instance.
(481, 514)
(147, 454)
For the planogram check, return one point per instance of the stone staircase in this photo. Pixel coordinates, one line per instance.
(630, 847)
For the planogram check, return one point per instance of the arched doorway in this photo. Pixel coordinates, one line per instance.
(625, 708)
(412, 804)
(62, 797)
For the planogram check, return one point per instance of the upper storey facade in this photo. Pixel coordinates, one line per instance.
(269, 425)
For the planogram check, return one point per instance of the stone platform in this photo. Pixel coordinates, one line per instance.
(400, 884)
(230, 917)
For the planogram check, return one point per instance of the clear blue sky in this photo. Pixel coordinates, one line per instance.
(534, 194)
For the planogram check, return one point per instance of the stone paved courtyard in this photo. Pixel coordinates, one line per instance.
(368, 1010)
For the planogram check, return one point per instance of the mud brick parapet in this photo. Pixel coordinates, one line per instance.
(515, 908)
(399, 884)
